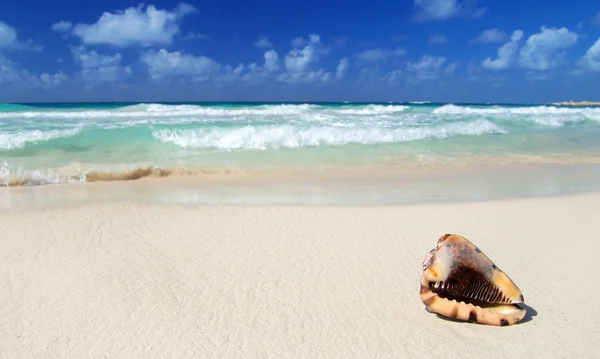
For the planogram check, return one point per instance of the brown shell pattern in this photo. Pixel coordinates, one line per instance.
(459, 281)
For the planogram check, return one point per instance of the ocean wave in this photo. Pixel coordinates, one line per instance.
(9, 141)
(533, 110)
(286, 136)
(170, 111)
(370, 110)
(540, 115)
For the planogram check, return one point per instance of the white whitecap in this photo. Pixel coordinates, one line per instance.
(286, 136)
(12, 140)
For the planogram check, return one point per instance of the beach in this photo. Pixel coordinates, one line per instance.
(127, 279)
(272, 230)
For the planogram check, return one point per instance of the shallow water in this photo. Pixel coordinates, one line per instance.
(58, 143)
(371, 188)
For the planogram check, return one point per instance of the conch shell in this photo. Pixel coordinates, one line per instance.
(461, 282)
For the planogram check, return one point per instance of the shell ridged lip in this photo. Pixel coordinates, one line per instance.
(461, 282)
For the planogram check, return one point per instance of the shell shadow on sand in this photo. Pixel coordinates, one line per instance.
(529, 314)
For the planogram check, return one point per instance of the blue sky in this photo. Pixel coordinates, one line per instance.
(438, 50)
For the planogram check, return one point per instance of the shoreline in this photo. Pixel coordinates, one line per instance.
(368, 186)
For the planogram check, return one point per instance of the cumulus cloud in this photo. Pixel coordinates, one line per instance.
(12, 74)
(53, 80)
(61, 26)
(377, 55)
(256, 73)
(231, 74)
(437, 39)
(491, 36)
(591, 59)
(8, 36)
(506, 53)
(319, 76)
(271, 61)
(300, 62)
(438, 10)
(429, 68)
(263, 42)
(9, 71)
(393, 77)
(9, 39)
(545, 50)
(134, 26)
(98, 68)
(163, 64)
(342, 68)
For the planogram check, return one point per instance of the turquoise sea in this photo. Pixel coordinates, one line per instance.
(56, 143)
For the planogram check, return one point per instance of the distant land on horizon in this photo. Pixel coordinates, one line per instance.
(559, 103)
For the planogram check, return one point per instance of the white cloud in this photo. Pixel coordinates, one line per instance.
(299, 60)
(318, 76)
(9, 39)
(256, 72)
(163, 63)
(271, 61)
(429, 68)
(263, 42)
(545, 50)
(429, 10)
(491, 36)
(377, 55)
(9, 71)
(12, 74)
(57, 79)
(231, 74)
(61, 26)
(8, 36)
(426, 63)
(134, 26)
(393, 76)
(591, 59)
(342, 68)
(506, 53)
(299, 63)
(438, 39)
(97, 68)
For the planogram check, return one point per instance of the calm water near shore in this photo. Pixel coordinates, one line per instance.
(341, 188)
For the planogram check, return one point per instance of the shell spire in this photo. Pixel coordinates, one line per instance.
(459, 281)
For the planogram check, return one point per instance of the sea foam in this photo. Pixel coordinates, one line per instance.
(19, 139)
(286, 136)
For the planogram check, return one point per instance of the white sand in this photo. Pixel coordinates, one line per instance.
(142, 281)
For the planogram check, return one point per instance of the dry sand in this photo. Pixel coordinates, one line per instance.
(124, 280)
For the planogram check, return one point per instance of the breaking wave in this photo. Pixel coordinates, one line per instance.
(540, 115)
(286, 136)
(14, 140)
(161, 110)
